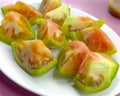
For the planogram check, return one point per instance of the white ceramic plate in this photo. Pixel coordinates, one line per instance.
(50, 84)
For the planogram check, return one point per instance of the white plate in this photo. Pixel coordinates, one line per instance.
(50, 84)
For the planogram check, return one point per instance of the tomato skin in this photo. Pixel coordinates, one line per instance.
(96, 72)
(33, 56)
(51, 35)
(98, 41)
(70, 58)
(15, 27)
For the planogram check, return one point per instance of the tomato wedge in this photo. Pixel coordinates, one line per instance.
(33, 56)
(49, 5)
(15, 27)
(96, 72)
(98, 41)
(70, 58)
(62, 13)
(51, 34)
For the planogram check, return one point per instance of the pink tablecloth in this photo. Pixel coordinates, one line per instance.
(97, 8)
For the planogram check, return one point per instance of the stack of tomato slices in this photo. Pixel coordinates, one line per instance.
(84, 49)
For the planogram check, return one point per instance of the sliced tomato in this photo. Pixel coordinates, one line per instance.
(96, 72)
(70, 58)
(33, 56)
(98, 41)
(49, 5)
(51, 35)
(15, 27)
(62, 13)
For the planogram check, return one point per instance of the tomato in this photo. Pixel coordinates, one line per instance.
(33, 56)
(98, 41)
(96, 72)
(15, 27)
(70, 58)
(28, 11)
(62, 13)
(51, 35)
(49, 5)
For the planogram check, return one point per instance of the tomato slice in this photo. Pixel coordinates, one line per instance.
(98, 41)
(49, 5)
(15, 27)
(51, 35)
(96, 72)
(33, 56)
(70, 58)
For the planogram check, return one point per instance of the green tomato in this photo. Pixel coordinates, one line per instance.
(96, 72)
(98, 41)
(49, 5)
(33, 56)
(71, 57)
(15, 27)
(51, 35)
(26, 10)
(59, 14)
(73, 26)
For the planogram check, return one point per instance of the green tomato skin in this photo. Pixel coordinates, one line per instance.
(106, 66)
(90, 90)
(114, 65)
(38, 72)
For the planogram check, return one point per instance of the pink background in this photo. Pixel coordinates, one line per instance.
(97, 8)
